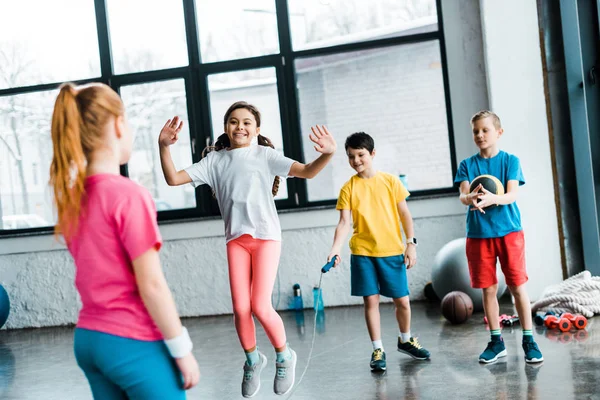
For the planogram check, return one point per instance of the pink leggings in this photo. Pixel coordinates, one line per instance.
(252, 271)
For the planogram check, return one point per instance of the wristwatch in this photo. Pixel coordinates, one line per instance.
(411, 240)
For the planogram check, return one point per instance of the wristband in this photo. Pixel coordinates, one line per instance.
(181, 345)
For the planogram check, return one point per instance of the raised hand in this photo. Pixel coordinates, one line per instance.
(170, 132)
(323, 140)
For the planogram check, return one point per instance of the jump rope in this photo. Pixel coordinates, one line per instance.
(324, 270)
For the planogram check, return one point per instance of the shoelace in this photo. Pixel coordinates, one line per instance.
(248, 373)
(415, 343)
(281, 372)
(377, 355)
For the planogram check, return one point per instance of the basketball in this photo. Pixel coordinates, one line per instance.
(489, 183)
(457, 307)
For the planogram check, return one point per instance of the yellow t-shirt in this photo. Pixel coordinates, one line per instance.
(375, 217)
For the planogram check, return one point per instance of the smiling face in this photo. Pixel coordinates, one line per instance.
(241, 127)
(360, 159)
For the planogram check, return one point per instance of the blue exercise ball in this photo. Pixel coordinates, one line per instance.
(451, 273)
(4, 306)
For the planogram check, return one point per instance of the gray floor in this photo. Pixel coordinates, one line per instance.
(39, 364)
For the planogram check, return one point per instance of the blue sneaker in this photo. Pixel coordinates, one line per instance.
(532, 351)
(494, 350)
(378, 361)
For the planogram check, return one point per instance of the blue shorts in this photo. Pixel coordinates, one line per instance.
(378, 275)
(118, 368)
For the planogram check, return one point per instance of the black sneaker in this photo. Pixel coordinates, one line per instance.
(414, 349)
(378, 360)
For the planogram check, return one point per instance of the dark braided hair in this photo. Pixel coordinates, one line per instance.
(223, 142)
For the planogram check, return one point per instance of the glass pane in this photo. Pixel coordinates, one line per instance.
(397, 97)
(233, 29)
(47, 41)
(148, 107)
(147, 35)
(257, 87)
(25, 157)
(324, 23)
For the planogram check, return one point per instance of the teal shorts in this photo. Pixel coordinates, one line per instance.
(378, 275)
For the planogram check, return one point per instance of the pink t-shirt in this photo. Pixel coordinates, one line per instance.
(118, 224)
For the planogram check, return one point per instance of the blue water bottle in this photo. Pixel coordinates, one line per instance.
(298, 304)
(318, 298)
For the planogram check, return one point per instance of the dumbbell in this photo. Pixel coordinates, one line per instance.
(501, 318)
(510, 321)
(539, 319)
(578, 321)
(553, 322)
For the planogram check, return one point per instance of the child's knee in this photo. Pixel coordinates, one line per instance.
(372, 301)
(490, 290)
(517, 291)
(402, 303)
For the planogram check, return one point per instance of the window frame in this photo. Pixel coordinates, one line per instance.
(195, 76)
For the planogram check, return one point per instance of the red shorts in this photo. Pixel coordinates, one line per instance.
(482, 255)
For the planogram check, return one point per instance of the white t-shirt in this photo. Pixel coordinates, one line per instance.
(242, 180)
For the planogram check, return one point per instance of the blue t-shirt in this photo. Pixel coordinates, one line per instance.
(497, 221)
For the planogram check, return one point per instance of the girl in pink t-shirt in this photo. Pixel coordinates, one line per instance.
(129, 340)
(244, 178)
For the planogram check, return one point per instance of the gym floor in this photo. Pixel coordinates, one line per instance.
(39, 363)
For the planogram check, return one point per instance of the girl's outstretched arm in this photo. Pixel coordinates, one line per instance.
(168, 136)
(324, 144)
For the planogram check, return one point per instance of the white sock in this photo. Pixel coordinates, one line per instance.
(404, 337)
(377, 344)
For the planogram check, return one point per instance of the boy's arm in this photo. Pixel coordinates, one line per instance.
(324, 144)
(341, 233)
(466, 197)
(407, 224)
(488, 198)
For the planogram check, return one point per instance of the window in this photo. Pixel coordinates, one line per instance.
(147, 36)
(324, 23)
(43, 42)
(353, 65)
(24, 142)
(406, 116)
(233, 29)
(148, 107)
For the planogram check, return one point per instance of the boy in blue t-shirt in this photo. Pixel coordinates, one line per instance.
(496, 233)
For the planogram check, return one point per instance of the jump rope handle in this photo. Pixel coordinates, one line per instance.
(328, 266)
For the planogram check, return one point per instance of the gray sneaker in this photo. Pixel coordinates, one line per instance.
(285, 374)
(251, 380)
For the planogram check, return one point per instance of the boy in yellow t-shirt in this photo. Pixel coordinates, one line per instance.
(376, 203)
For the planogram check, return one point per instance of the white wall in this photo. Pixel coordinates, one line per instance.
(516, 93)
(38, 273)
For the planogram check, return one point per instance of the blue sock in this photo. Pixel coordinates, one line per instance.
(284, 355)
(527, 334)
(496, 334)
(252, 357)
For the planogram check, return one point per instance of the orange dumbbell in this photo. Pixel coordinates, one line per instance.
(553, 322)
(578, 321)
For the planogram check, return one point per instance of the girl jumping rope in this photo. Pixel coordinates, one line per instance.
(244, 178)
(109, 225)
